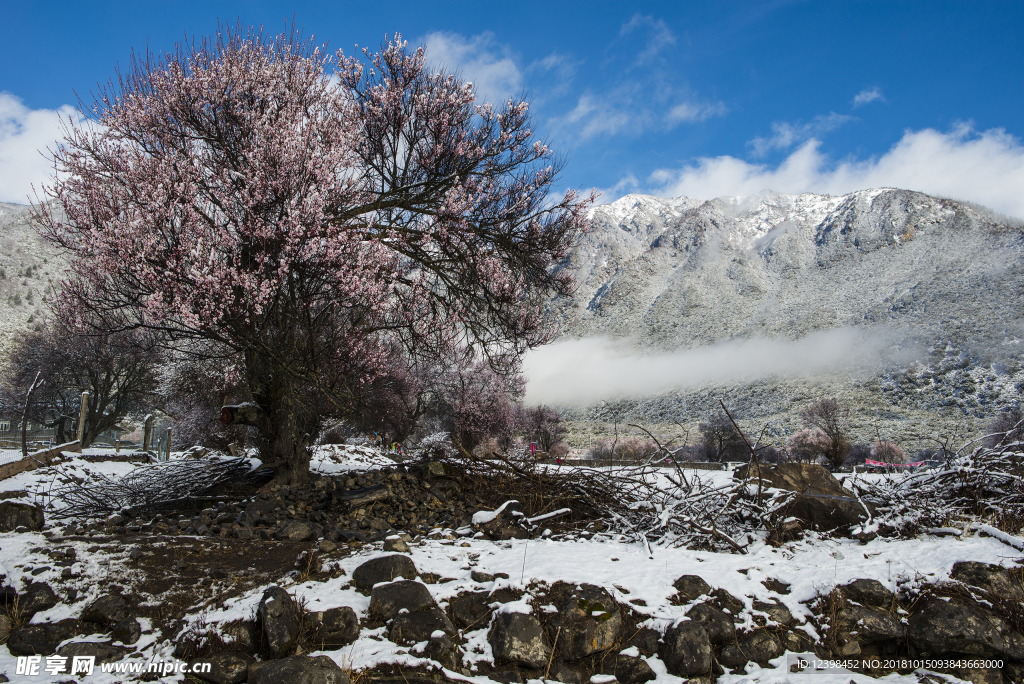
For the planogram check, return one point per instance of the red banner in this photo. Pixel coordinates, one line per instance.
(883, 464)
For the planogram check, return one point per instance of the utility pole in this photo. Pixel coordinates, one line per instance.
(81, 419)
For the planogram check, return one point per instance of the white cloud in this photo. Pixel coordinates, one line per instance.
(867, 95)
(23, 133)
(582, 372)
(694, 112)
(785, 135)
(480, 59)
(659, 36)
(986, 168)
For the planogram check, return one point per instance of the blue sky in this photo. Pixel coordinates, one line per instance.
(695, 98)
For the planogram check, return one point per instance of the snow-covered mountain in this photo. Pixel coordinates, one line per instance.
(942, 276)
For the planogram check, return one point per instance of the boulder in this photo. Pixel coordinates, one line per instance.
(645, 640)
(692, 587)
(108, 610)
(228, 667)
(102, 652)
(504, 523)
(383, 569)
(395, 545)
(958, 627)
(339, 627)
(43, 639)
(276, 615)
(826, 512)
(441, 648)
(718, 625)
(294, 531)
(776, 612)
(519, 638)
(868, 592)
(570, 674)
(297, 670)
(471, 610)
(14, 515)
(6, 625)
(994, 579)
(387, 599)
(759, 646)
(37, 598)
(627, 669)
(127, 631)
(590, 621)
(806, 478)
(412, 628)
(869, 626)
(729, 603)
(241, 635)
(686, 650)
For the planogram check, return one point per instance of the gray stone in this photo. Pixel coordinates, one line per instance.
(396, 545)
(627, 669)
(590, 621)
(994, 579)
(757, 647)
(692, 587)
(646, 640)
(276, 614)
(519, 638)
(956, 627)
(228, 667)
(297, 670)
(339, 627)
(103, 652)
(14, 515)
(42, 639)
(387, 599)
(241, 635)
(825, 512)
(869, 626)
(471, 610)
(776, 612)
(108, 610)
(442, 650)
(383, 569)
(294, 531)
(412, 628)
(37, 598)
(127, 631)
(686, 649)
(868, 592)
(6, 625)
(728, 603)
(506, 524)
(717, 624)
(570, 674)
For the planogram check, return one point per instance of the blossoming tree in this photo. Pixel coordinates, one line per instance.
(234, 192)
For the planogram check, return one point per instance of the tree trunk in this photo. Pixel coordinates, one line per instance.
(24, 417)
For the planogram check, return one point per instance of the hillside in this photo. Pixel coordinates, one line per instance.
(939, 279)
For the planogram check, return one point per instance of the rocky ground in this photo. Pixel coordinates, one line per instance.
(390, 572)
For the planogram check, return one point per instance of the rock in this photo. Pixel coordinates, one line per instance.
(241, 635)
(383, 569)
(228, 667)
(956, 627)
(868, 592)
(825, 512)
(442, 649)
(127, 631)
(645, 640)
(806, 478)
(8, 596)
(339, 627)
(759, 647)
(570, 674)
(276, 615)
(692, 587)
(686, 649)
(729, 603)
(395, 544)
(108, 610)
(590, 621)
(504, 523)
(37, 598)
(1014, 672)
(869, 626)
(776, 612)
(412, 628)
(387, 599)
(102, 652)
(14, 515)
(481, 577)
(628, 669)
(297, 670)
(294, 531)
(718, 625)
(776, 585)
(471, 610)
(519, 638)
(994, 579)
(6, 625)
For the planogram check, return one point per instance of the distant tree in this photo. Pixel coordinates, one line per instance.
(720, 440)
(857, 454)
(831, 417)
(1007, 428)
(887, 452)
(117, 369)
(543, 425)
(808, 444)
(236, 192)
(473, 402)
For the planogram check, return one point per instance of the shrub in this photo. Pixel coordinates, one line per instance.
(1007, 428)
(630, 448)
(887, 452)
(720, 440)
(558, 450)
(808, 444)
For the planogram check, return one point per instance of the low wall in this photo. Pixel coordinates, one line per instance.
(38, 459)
(606, 463)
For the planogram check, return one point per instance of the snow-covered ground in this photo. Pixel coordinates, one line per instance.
(812, 566)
